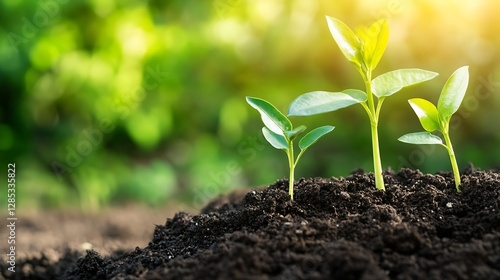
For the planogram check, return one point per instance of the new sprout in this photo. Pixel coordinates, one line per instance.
(279, 132)
(432, 118)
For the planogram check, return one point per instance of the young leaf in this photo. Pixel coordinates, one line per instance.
(276, 140)
(313, 136)
(453, 92)
(374, 41)
(272, 117)
(426, 113)
(318, 102)
(391, 82)
(345, 38)
(294, 133)
(421, 138)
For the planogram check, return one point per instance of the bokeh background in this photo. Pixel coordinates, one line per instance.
(107, 101)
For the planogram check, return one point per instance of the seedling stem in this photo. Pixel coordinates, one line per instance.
(373, 114)
(453, 160)
(292, 165)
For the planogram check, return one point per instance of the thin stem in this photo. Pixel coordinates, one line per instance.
(368, 84)
(377, 162)
(298, 157)
(291, 164)
(370, 116)
(454, 165)
(373, 114)
(379, 106)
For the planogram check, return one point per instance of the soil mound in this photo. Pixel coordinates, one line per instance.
(336, 228)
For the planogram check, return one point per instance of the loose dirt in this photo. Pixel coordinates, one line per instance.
(336, 228)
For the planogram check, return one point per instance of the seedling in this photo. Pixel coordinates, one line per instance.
(433, 118)
(364, 49)
(279, 132)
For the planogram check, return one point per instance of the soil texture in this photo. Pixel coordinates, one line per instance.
(336, 228)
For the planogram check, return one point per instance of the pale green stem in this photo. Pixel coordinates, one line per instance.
(368, 85)
(379, 106)
(373, 114)
(454, 165)
(291, 164)
(298, 157)
(368, 112)
(377, 162)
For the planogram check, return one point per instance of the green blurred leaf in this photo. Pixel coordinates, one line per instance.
(453, 92)
(374, 41)
(313, 136)
(144, 129)
(345, 38)
(318, 102)
(426, 113)
(391, 82)
(276, 140)
(272, 117)
(421, 138)
(296, 132)
(157, 189)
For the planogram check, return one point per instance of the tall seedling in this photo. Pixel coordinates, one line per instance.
(364, 49)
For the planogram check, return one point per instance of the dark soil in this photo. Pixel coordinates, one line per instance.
(337, 228)
(44, 236)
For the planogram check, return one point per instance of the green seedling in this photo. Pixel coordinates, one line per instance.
(364, 49)
(279, 132)
(432, 118)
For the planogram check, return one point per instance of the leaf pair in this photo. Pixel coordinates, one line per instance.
(363, 48)
(387, 84)
(278, 129)
(434, 118)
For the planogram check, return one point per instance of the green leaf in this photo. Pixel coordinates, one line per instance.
(294, 133)
(318, 102)
(453, 92)
(313, 136)
(272, 117)
(374, 41)
(421, 138)
(391, 82)
(276, 140)
(345, 38)
(357, 94)
(426, 113)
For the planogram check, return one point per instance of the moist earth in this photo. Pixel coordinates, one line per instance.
(335, 228)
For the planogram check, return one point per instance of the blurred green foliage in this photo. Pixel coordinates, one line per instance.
(110, 101)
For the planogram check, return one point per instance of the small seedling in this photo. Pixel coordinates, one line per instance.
(433, 118)
(279, 132)
(364, 49)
